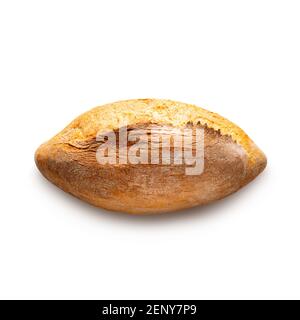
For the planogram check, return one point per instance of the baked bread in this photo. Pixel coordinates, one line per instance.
(69, 159)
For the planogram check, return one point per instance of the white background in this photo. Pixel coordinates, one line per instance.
(238, 58)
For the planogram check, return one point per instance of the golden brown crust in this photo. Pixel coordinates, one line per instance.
(115, 115)
(69, 161)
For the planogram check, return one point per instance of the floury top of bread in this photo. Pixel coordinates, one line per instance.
(112, 116)
(231, 158)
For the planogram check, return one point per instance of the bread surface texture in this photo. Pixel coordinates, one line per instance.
(69, 159)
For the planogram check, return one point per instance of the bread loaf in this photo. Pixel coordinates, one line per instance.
(148, 156)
